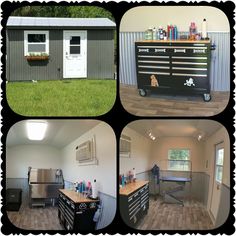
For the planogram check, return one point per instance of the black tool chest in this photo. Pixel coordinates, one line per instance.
(75, 215)
(13, 199)
(134, 205)
(174, 67)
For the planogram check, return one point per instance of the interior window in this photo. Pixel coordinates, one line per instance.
(179, 159)
(36, 42)
(219, 164)
(75, 45)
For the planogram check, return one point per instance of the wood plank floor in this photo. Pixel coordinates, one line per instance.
(163, 105)
(162, 216)
(36, 218)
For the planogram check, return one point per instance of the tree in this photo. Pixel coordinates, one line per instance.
(64, 11)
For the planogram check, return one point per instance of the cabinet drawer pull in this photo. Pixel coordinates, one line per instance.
(179, 50)
(130, 199)
(134, 206)
(137, 208)
(199, 51)
(194, 75)
(134, 202)
(160, 50)
(143, 50)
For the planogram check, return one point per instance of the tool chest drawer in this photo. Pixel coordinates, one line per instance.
(134, 205)
(76, 214)
(174, 66)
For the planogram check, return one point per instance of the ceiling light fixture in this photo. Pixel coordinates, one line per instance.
(199, 137)
(36, 130)
(152, 137)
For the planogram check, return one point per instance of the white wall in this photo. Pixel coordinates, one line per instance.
(19, 158)
(161, 146)
(140, 153)
(218, 137)
(139, 19)
(105, 172)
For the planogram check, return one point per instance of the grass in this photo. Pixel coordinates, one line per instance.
(62, 98)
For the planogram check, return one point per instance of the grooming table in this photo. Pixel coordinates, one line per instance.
(181, 181)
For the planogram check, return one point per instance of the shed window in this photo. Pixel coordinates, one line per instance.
(179, 159)
(75, 45)
(36, 42)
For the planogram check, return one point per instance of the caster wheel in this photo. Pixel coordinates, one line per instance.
(142, 92)
(206, 97)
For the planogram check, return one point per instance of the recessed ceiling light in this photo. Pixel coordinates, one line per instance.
(36, 130)
(151, 136)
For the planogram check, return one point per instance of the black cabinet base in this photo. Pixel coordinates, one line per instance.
(143, 92)
(13, 199)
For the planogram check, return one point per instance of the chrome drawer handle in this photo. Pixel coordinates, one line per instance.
(199, 51)
(143, 50)
(180, 50)
(160, 50)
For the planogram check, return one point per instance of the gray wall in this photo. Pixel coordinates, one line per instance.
(197, 189)
(224, 207)
(100, 57)
(220, 61)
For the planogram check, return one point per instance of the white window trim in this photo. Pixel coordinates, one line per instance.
(190, 167)
(219, 181)
(26, 32)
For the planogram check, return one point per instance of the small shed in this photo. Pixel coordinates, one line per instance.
(43, 48)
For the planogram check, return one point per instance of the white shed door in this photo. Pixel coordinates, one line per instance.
(75, 54)
(218, 176)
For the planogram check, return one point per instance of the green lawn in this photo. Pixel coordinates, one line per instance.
(62, 98)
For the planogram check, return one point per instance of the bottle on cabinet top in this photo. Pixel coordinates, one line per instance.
(204, 29)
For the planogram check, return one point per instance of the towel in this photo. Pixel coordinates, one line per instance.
(156, 172)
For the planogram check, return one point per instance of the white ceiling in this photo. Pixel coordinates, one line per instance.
(58, 134)
(175, 128)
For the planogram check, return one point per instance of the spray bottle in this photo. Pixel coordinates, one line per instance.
(204, 29)
(94, 189)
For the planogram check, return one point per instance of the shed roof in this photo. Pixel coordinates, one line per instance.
(54, 22)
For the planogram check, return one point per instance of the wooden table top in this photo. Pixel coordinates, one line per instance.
(76, 197)
(174, 41)
(132, 187)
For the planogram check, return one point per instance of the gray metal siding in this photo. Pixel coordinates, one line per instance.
(20, 69)
(100, 56)
(100, 59)
(220, 62)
